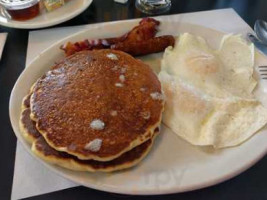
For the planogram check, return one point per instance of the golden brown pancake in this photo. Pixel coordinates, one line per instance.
(103, 95)
(47, 153)
(126, 160)
(26, 101)
(27, 126)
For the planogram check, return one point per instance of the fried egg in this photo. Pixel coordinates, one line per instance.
(209, 99)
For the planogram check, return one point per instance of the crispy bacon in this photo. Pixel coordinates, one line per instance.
(139, 41)
(146, 29)
(70, 48)
(153, 45)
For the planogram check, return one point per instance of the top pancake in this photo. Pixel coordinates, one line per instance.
(97, 104)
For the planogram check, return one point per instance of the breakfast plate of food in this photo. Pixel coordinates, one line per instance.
(31, 14)
(144, 107)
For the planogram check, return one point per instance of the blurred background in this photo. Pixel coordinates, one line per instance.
(99, 11)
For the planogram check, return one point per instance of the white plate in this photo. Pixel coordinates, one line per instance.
(173, 165)
(70, 10)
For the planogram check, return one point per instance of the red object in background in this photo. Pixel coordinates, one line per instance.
(26, 13)
(21, 9)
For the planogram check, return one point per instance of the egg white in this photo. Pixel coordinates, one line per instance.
(209, 98)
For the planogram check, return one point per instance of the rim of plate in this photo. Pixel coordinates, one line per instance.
(17, 24)
(109, 188)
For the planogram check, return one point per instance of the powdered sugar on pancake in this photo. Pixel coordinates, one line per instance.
(157, 96)
(123, 70)
(97, 124)
(94, 145)
(118, 84)
(142, 89)
(122, 78)
(112, 56)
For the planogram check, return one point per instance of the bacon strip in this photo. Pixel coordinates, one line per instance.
(153, 45)
(146, 29)
(139, 41)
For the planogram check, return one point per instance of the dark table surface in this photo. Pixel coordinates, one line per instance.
(251, 184)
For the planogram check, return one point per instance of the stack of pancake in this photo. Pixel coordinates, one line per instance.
(94, 111)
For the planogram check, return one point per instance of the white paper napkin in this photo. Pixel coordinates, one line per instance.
(31, 177)
(3, 37)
